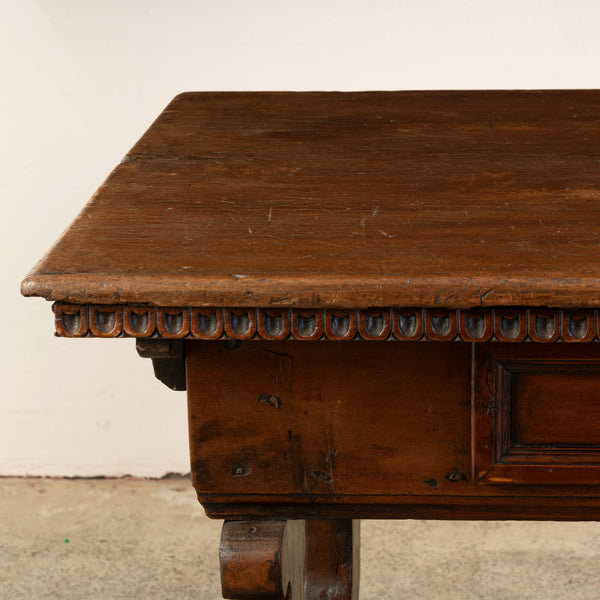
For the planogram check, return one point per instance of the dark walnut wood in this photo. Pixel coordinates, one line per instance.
(345, 200)
(244, 223)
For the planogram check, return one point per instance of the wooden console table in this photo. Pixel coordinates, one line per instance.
(382, 305)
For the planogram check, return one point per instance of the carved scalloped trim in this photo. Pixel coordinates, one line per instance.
(403, 324)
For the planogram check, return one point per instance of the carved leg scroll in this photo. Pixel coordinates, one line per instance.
(332, 560)
(290, 560)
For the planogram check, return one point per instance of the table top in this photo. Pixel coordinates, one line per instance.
(348, 200)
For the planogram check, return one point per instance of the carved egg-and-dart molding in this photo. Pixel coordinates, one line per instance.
(401, 324)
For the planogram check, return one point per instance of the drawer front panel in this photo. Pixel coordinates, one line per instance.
(551, 408)
(536, 414)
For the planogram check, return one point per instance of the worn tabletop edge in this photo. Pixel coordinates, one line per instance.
(334, 291)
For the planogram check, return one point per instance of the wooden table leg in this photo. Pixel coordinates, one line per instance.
(290, 560)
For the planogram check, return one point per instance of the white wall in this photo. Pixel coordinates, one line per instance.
(80, 82)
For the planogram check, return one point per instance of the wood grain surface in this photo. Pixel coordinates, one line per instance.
(345, 200)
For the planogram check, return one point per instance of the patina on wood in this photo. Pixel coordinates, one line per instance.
(243, 223)
(346, 200)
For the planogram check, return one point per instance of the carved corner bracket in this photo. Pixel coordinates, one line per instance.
(168, 360)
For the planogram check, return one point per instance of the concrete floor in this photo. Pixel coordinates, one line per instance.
(150, 539)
